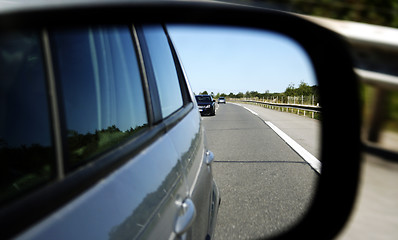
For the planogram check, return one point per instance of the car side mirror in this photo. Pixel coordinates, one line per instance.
(333, 68)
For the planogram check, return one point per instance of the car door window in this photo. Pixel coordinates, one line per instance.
(102, 91)
(26, 148)
(164, 69)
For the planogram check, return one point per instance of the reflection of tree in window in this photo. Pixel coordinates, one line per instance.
(85, 146)
(102, 91)
(26, 153)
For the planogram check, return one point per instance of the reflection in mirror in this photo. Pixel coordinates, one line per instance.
(265, 135)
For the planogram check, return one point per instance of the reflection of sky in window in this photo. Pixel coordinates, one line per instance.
(100, 79)
(164, 69)
(229, 59)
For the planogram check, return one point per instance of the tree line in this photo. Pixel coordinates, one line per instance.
(291, 90)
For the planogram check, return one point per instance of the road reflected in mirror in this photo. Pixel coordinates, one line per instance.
(265, 130)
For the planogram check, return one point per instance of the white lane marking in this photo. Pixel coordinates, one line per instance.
(246, 109)
(251, 111)
(308, 157)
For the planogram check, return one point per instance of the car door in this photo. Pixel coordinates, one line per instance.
(173, 105)
(190, 143)
(189, 140)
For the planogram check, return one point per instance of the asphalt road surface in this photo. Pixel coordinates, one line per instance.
(265, 185)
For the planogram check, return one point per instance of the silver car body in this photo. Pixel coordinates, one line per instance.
(162, 189)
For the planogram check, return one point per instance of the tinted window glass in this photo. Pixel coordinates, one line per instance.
(26, 151)
(102, 91)
(164, 69)
(203, 98)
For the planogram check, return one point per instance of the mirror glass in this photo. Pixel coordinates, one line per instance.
(265, 130)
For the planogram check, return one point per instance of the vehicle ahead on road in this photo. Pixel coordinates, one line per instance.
(206, 104)
(221, 100)
(114, 147)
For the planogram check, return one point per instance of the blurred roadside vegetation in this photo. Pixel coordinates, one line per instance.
(367, 98)
(392, 113)
(379, 12)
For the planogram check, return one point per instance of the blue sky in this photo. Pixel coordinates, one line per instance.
(223, 59)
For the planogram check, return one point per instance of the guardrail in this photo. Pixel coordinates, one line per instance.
(299, 107)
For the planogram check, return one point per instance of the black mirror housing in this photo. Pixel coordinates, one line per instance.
(331, 60)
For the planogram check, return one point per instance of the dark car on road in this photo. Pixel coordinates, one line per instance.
(100, 137)
(206, 104)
